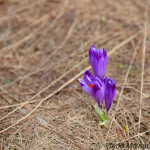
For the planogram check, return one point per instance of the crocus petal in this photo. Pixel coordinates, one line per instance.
(85, 87)
(98, 60)
(99, 93)
(110, 92)
(92, 51)
(89, 78)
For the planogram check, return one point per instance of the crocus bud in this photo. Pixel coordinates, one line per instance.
(110, 91)
(98, 60)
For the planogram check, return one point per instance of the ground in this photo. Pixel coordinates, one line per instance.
(44, 48)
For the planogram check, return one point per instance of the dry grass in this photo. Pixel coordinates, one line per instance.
(43, 47)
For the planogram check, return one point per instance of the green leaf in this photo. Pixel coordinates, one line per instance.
(98, 113)
(101, 115)
(103, 19)
(130, 72)
(103, 123)
(120, 66)
(86, 55)
(12, 149)
(53, 141)
(104, 116)
(127, 130)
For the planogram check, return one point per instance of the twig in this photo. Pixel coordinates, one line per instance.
(14, 105)
(142, 75)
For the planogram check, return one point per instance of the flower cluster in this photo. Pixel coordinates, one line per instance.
(100, 88)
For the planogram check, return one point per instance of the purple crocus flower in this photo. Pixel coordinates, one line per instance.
(98, 60)
(97, 86)
(110, 91)
(94, 87)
